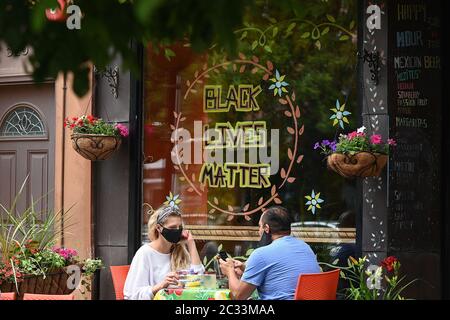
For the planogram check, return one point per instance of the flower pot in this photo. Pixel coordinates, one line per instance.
(360, 164)
(95, 147)
(55, 282)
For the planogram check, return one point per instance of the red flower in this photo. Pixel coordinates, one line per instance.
(91, 118)
(388, 263)
(72, 125)
(75, 118)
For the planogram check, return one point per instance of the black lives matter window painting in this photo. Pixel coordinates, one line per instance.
(226, 137)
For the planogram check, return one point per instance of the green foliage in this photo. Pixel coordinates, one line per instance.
(107, 29)
(384, 282)
(16, 228)
(26, 241)
(37, 262)
(91, 266)
(353, 144)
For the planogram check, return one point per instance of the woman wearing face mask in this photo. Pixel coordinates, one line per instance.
(155, 264)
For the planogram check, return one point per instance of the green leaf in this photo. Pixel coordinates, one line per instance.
(305, 35)
(254, 44)
(344, 37)
(352, 25)
(325, 31)
(168, 53)
(275, 32)
(291, 26)
(249, 252)
(243, 36)
(219, 248)
(267, 48)
(331, 18)
(205, 260)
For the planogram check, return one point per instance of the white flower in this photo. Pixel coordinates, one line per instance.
(361, 130)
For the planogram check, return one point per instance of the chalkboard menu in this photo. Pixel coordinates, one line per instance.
(415, 102)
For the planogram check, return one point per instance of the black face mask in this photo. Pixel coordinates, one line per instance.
(266, 239)
(172, 235)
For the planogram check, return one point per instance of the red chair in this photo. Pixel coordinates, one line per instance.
(119, 275)
(7, 296)
(317, 286)
(32, 296)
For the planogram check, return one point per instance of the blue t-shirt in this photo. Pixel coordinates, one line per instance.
(274, 269)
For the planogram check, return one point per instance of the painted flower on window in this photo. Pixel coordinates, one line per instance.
(173, 200)
(279, 84)
(313, 202)
(340, 115)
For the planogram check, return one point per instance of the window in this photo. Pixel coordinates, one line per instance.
(291, 73)
(22, 121)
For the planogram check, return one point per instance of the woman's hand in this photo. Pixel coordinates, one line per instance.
(171, 279)
(188, 238)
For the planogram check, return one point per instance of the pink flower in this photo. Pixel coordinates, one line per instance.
(352, 135)
(392, 142)
(375, 139)
(67, 254)
(123, 130)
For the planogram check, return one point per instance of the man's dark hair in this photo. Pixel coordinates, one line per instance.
(278, 219)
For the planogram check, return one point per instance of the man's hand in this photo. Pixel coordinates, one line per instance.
(227, 267)
(239, 267)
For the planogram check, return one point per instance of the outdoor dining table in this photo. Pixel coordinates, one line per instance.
(196, 293)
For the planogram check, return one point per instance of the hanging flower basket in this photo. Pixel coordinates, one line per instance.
(356, 154)
(95, 147)
(360, 164)
(95, 139)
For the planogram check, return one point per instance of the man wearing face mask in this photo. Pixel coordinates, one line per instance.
(273, 268)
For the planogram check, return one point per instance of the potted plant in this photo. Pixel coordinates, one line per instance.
(29, 261)
(93, 138)
(373, 282)
(356, 154)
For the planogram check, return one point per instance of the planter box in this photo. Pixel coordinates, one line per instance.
(54, 283)
(360, 164)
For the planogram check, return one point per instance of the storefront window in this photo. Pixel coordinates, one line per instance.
(232, 136)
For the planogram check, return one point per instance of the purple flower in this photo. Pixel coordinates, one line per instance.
(325, 142)
(333, 146)
(316, 146)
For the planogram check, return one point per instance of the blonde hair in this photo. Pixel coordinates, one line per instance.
(179, 255)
